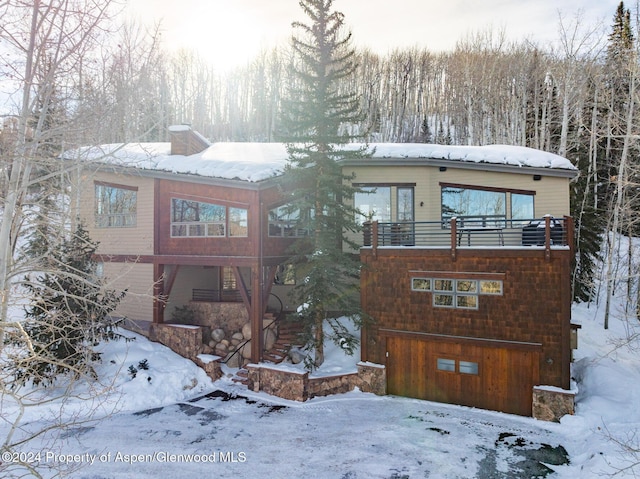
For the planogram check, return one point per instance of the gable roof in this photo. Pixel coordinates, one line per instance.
(255, 162)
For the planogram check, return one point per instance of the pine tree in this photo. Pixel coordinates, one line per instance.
(69, 311)
(619, 59)
(316, 111)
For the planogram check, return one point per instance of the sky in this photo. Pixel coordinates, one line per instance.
(230, 32)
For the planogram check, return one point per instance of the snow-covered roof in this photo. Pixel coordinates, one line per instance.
(255, 162)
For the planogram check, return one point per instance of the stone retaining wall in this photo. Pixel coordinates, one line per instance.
(550, 404)
(181, 339)
(298, 386)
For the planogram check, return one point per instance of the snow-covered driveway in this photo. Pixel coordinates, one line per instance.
(240, 434)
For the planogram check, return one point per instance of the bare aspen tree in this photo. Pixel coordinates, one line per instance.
(52, 47)
(580, 48)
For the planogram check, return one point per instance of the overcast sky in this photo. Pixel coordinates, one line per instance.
(229, 32)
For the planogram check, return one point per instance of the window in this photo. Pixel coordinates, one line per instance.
(405, 204)
(238, 222)
(446, 364)
(374, 203)
(485, 206)
(384, 203)
(490, 287)
(467, 367)
(420, 284)
(287, 222)
(457, 293)
(521, 206)
(115, 206)
(195, 219)
(286, 275)
(476, 207)
(452, 365)
(228, 279)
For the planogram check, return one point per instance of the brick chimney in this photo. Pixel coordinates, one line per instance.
(185, 141)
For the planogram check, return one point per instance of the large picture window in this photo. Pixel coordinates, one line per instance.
(522, 206)
(485, 206)
(194, 219)
(115, 206)
(385, 203)
(374, 203)
(475, 207)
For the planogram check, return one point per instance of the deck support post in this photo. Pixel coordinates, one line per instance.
(454, 236)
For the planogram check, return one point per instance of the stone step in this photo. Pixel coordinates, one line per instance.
(241, 377)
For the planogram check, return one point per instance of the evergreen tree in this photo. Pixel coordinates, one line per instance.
(69, 311)
(425, 132)
(315, 114)
(620, 57)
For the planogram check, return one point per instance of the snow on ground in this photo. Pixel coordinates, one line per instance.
(170, 420)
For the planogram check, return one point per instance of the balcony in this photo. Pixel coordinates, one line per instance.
(471, 232)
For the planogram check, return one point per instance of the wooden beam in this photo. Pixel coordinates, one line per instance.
(159, 298)
(242, 287)
(454, 238)
(256, 315)
(271, 276)
(171, 279)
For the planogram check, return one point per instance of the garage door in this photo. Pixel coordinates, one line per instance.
(490, 375)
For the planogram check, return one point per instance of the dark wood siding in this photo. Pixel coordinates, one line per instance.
(533, 309)
(256, 201)
(504, 380)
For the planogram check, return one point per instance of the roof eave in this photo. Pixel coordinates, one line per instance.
(461, 164)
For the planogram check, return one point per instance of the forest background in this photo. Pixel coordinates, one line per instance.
(578, 99)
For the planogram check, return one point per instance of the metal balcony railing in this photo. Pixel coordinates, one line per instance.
(460, 232)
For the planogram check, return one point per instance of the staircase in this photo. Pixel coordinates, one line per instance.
(288, 337)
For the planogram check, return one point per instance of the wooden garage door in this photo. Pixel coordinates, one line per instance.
(496, 376)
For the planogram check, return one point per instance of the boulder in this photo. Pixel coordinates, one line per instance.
(246, 350)
(217, 335)
(269, 339)
(246, 331)
(234, 361)
(221, 349)
(296, 355)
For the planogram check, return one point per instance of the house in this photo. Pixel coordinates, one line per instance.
(467, 264)
(466, 254)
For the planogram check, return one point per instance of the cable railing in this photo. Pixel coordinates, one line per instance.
(471, 232)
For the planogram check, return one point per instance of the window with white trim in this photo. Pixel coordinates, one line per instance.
(193, 219)
(456, 293)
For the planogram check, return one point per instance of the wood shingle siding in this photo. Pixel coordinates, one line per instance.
(534, 309)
